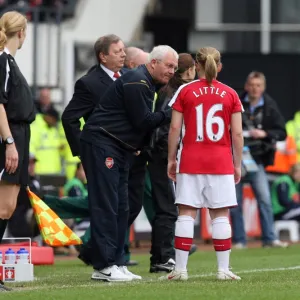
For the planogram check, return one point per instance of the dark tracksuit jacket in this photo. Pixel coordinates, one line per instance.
(124, 115)
(121, 124)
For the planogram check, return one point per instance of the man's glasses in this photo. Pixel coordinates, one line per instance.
(169, 66)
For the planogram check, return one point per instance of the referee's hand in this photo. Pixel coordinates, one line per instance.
(12, 159)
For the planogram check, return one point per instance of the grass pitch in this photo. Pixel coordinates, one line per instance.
(266, 274)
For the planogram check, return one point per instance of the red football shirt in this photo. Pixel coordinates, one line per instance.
(206, 143)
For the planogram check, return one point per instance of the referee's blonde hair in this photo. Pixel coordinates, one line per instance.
(11, 23)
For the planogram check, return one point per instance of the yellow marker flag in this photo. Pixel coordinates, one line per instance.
(54, 231)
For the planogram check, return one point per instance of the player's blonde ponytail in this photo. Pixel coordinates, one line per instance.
(210, 69)
(209, 58)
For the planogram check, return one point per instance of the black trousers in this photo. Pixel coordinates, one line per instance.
(136, 185)
(163, 197)
(106, 169)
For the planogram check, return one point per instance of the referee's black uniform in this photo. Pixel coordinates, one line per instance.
(119, 126)
(16, 97)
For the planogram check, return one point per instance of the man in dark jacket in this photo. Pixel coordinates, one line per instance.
(67, 206)
(110, 53)
(120, 126)
(263, 126)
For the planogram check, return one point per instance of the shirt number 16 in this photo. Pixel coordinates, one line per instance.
(209, 121)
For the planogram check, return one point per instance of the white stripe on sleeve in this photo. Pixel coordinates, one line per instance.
(178, 91)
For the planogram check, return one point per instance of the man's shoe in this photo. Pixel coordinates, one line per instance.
(110, 274)
(227, 275)
(193, 249)
(4, 288)
(163, 267)
(175, 275)
(125, 271)
(239, 246)
(276, 244)
(131, 263)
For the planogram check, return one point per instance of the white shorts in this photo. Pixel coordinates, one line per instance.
(211, 191)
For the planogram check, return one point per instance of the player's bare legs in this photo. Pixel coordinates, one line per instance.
(184, 233)
(221, 235)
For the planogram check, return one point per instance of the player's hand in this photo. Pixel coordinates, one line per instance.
(12, 159)
(237, 175)
(172, 170)
(257, 133)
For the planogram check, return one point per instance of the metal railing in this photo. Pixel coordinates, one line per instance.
(227, 27)
(52, 15)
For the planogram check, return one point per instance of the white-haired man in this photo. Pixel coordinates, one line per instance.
(119, 127)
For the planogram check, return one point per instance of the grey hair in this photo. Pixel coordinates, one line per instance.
(159, 52)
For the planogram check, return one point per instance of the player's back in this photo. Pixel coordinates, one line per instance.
(207, 110)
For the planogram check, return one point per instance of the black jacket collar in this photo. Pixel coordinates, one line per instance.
(144, 69)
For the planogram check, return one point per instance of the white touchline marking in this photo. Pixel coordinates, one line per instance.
(101, 284)
(250, 271)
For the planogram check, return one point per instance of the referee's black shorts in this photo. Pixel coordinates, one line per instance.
(21, 135)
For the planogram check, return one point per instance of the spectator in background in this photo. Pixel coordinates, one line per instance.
(286, 195)
(44, 103)
(263, 126)
(135, 57)
(46, 143)
(293, 130)
(76, 187)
